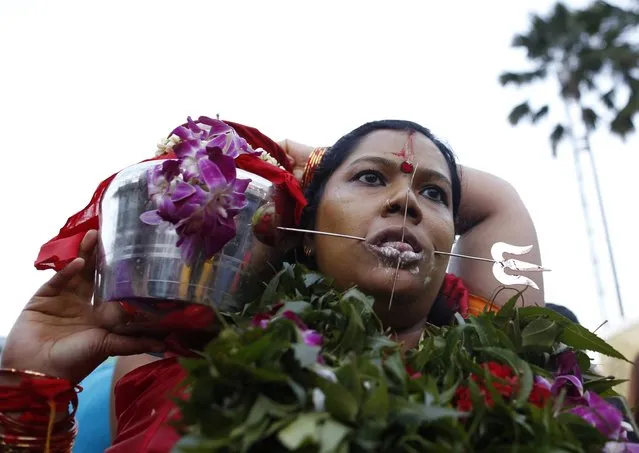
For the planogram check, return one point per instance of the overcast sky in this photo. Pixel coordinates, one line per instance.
(87, 88)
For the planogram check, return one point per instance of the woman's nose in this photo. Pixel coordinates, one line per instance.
(402, 203)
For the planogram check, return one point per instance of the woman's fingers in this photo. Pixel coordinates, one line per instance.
(120, 345)
(61, 280)
(88, 251)
(78, 275)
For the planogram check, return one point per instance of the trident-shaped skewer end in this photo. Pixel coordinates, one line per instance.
(497, 252)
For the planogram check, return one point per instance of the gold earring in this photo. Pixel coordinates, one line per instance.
(308, 251)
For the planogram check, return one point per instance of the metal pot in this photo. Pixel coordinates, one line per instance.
(143, 287)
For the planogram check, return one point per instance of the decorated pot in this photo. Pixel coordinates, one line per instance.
(142, 272)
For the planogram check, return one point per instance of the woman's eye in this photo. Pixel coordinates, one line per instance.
(371, 178)
(435, 194)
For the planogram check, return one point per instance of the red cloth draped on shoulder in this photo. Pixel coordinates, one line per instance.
(144, 397)
(63, 248)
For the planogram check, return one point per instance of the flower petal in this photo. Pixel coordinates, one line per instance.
(211, 174)
(240, 185)
(170, 169)
(542, 382)
(227, 166)
(183, 132)
(151, 217)
(288, 314)
(193, 125)
(189, 247)
(312, 338)
(237, 202)
(217, 126)
(182, 190)
(213, 243)
(568, 364)
(219, 141)
(572, 384)
(599, 413)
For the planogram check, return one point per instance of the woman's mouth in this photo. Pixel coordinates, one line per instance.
(394, 252)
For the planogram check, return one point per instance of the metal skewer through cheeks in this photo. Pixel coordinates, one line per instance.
(497, 251)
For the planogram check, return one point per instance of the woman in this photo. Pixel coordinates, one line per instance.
(360, 188)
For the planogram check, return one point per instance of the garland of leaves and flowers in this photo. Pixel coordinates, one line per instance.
(310, 369)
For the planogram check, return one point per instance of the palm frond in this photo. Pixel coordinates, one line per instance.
(522, 78)
(608, 99)
(518, 112)
(540, 114)
(590, 118)
(556, 136)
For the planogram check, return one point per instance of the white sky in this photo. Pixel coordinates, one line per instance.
(87, 88)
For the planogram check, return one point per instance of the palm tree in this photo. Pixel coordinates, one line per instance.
(590, 54)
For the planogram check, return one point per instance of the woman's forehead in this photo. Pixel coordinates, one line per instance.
(392, 144)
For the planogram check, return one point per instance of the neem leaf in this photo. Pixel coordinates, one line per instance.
(269, 296)
(339, 401)
(304, 429)
(572, 334)
(581, 338)
(507, 310)
(603, 384)
(583, 360)
(306, 355)
(312, 278)
(376, 405)
(412, 413)
(540, 332)
(354, 336)
(332, 433)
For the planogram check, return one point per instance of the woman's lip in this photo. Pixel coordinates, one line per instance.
(395, 234)
(395, 252)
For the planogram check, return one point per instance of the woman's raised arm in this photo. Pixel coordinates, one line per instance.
(492, 211)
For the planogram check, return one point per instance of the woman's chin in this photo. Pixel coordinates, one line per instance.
(406, 281)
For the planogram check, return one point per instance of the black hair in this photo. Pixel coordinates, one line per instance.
(564, 311)
(440, 313)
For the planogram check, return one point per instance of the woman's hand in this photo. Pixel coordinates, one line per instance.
(298, 156)
(59, 333)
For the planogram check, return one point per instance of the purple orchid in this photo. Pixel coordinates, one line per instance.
(586, 404)
(312, 337)
(199, 192)
(602, 415)
(621, 447)
(542, 382)
(568, 378)
(207, 216)
(165, 190)
(261, 320)
(199, 139)
(568, 364)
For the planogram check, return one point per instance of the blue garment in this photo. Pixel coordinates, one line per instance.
(94, 427)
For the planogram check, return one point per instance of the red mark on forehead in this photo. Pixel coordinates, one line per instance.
(407, 155)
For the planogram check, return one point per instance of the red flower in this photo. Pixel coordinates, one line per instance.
(539, 395)
(412, 373)
(506, 389)
(463, 401)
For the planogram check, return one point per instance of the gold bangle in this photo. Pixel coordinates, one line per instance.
(314, 161)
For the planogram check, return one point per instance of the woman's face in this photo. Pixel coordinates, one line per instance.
(367, 196)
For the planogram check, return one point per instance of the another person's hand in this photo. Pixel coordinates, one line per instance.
(298, 155)
(59, 333)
